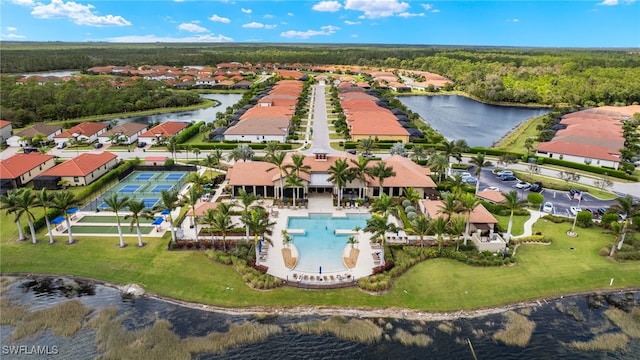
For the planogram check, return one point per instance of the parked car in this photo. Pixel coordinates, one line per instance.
(547, 207)
(97, 145)
(602, 211)
(61, 145)
(141, 144)
(574, 192)
(508, 178)
(493, 188)
(464, 174)
(536, 187)
(470, 180)
(351, 151)
(523, 185)
(504, 172)
(574, 210)
(28, 150)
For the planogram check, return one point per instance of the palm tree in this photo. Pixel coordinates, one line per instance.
(44, 201)
(418, 153)
(246, 199)
(10, 203)
(213, 160)
(197, 152)
(512, 202)
(277, 159)
(460, 147)
(39, 139)
(439, 163)
(439, 226)
(198, 181)
(243, 152)
(63, 201)
(293, 181)
(172, 147)
(187, 148)
(628, 209)
(381, 171)
(138, 211)
(528, 144)
(222, 223)
(449, 149)
(352, 241)
(340, 175)
(450, 206)
(467, 203)
(116, 204)
(286, 238)
(479, 162)
(365, 146)
(457, 184)
(26, 200)
(359, 169)
(379, 226)
(420, 226)
(298, 166)
(457, 226)
(191, 198)
(381, 204)
(258, 222)
(272, 148)
(168, 201)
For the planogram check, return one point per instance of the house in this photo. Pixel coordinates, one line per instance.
(155, 160)
(127, 133)
(6, 130)
(50, 131)
(366, 117)
(78, 171)
(87, 131)
(19, 169)
(158, 134)
(259, 130)
(481, 225)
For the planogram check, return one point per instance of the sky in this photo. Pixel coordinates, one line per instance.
(573, 23)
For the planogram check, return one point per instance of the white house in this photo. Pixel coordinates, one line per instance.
(50, 131)
(6, 130)
(88, 131)
(128, 133)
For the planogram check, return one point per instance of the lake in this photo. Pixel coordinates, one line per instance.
(557, 322)
(458, 117)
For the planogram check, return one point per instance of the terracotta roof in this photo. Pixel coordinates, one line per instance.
(259, 126)
(127, 129)
(582, 150)
(251, 172)
(87, 129)
(4, 123)
(81, 165)
(39, 129)
(479, 215)
(202, 207)
(166, 129)
(18, 164)
(156, 158)
(408, 174)
(268, 112)
(491, 195)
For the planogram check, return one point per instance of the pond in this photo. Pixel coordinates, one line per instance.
(553, 324)
(458, 117)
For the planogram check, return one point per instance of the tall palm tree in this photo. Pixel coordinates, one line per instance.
(512, 202)
(117, 204)
(246, 200)
(468, 202)
(359, 169)
(379, 226)
(187, 148)
(457, 184)
(628, 209)
(293, 181)
(298, 165)
(168, 201)
(340, 175)
(26, 200)
(439, 163)
(45, 199)
(197, 152)
(191, 198)
(258, 222)
(479, 162)
(365, 146)
(381, 205)
(243, 152)
(277, 159)
(213, 160)
(172, 147)
(439, 226)
(198, 181)
(449, 149)
(420, 226)
(450, 206)
(460, 147)
(381, 171)
(272, 148)
(418, 153)
(63, 201)
(138, 211)
(10, 204)
(457, 226)
(221, 223)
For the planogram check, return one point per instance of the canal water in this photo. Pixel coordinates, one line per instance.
(557, 322)
(458, 117)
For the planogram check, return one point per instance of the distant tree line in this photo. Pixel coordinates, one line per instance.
(30, 102)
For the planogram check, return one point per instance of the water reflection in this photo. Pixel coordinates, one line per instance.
(458, 117)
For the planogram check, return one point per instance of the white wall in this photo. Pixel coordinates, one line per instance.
(256, 138)
(580, 159)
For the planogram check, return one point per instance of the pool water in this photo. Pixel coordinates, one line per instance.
(320, 246)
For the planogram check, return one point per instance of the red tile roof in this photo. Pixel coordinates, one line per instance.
(479, 215)
(4, 123)
(81, 165)
(165, 129)
(18, 164)
(87, 129)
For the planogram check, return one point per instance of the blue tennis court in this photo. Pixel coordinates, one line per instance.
(174, 177)
(129, 188)
(144, 176)
(148, 203)
(160, 188)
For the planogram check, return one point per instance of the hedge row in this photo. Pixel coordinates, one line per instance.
(594, 169)
(191, 131)
(230, 146)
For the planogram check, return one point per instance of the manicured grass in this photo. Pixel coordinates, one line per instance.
(515, 141)
(518, 223)
(97, 219)
(435, 285)
(557, 183)
(113, 229)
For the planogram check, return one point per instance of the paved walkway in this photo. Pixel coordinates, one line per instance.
(528, 225)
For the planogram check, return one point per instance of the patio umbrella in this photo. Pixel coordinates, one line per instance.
(157, 222)
(57, 221)
(72, 211)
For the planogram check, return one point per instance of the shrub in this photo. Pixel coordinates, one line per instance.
(531, 239)
(411, 215)
(409, 209)
(584, 218)
(607, 219)
(406, 203)
(535, 198)
(557, 219)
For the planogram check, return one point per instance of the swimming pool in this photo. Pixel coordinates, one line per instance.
(320, 246)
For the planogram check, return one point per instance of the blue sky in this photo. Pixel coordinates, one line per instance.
(602, 23)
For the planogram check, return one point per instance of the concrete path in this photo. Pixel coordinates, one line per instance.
(528, 225)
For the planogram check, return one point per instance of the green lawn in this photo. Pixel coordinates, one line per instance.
(518, 223)
(109, 229)
(435, 285)
(556, 183)
(515, 141)
(97, 219)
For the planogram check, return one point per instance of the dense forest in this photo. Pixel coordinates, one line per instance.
(30, 102)
(577, 77)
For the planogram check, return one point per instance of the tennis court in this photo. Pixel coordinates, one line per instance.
(108, 229)
(173, 177)
(129, 188)
(161, 188)
(144, 176)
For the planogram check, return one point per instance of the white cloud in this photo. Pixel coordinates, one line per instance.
(376, 8)
(29, 3)
(514, 20)
(354, 35)
(349, 22)
(289, 14)
(427, 6)
(325, 30)
(11, 37)
(153, 39)
(78, 13)
(246, 11)
(219, 19)
(435, 11)
(11, 28)
(257, 25)
(327, 6)
(268, 16)
(609, 2)
(408, 14)
(191, 27)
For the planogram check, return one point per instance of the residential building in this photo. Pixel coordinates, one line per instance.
(50, 131)
(78, 171)
(160, 133)
(19, 169)
(6, 130)
(128, 133)
(87, 131)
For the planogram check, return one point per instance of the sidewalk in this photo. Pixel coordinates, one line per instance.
(528, 225)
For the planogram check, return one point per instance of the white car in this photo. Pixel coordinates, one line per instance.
(493, 188)
(522, 185)
(504, 172)
(547, 207)
(574, 210)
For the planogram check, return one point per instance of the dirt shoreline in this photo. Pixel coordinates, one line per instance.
(302, 310)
